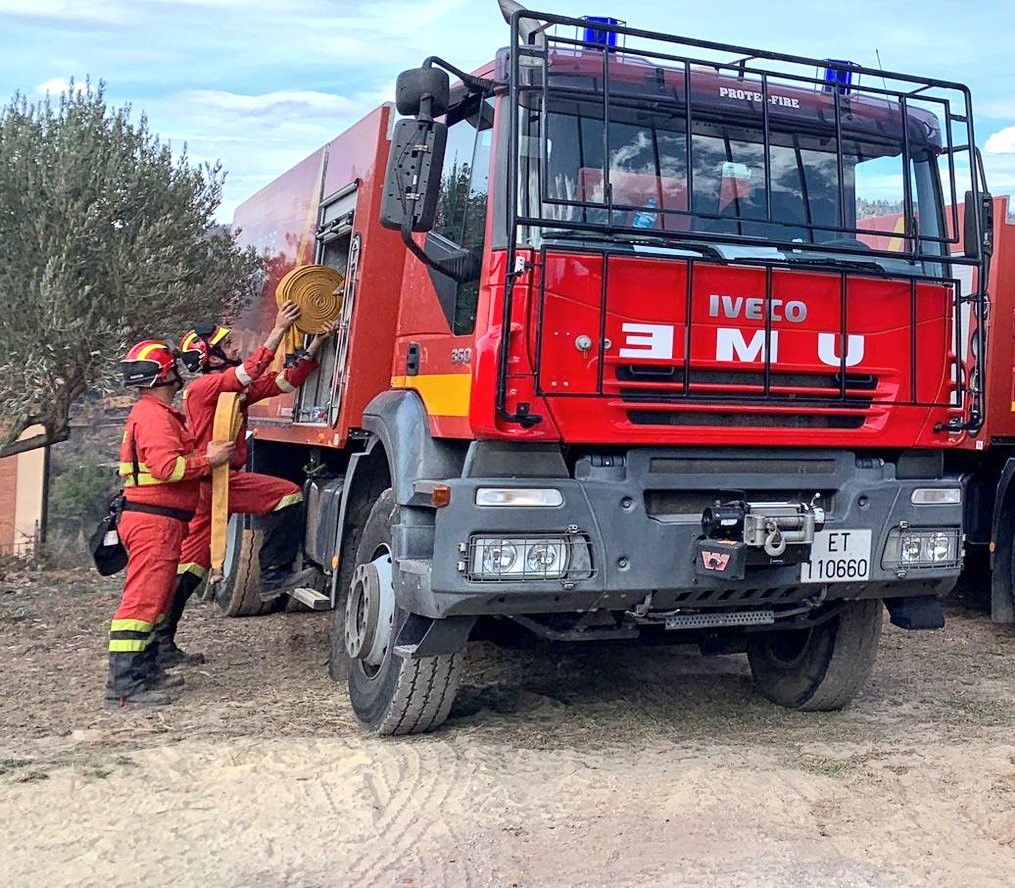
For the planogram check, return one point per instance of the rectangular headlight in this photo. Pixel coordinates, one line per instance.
(519, 496)
(936, 496)
(922, 547)
(548, 557)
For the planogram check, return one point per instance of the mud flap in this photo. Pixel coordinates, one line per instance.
(919, 612)
(425, 637)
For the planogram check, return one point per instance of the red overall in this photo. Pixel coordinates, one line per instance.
(167, 469)
(250, 493)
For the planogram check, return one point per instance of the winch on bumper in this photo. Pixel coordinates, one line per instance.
(814, 524)
(732, 530)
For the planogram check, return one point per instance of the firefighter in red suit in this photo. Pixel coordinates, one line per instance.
(160, 464)
(210, 349)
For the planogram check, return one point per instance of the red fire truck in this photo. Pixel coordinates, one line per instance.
(642, 337)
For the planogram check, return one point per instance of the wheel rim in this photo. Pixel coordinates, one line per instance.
(234, 530)
(371, 600)
(368, 671)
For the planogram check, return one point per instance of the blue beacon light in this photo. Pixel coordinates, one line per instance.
(841, 77)
(593, 34)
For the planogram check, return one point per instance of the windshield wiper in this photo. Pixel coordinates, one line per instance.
(826, 261)
(699, 247)
(647, 243)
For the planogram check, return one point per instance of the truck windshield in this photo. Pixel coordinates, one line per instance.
(634, 165)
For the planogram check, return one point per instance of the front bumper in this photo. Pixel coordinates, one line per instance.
(640, 515)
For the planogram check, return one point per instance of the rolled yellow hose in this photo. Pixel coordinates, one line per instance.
(318, 291)
(224, 429)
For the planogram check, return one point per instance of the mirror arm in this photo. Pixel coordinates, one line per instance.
(410, 242)
(425, 109)
(462, 267)
(474, 84)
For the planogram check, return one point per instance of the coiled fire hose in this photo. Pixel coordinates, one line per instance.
(318, 291)
(225, 428)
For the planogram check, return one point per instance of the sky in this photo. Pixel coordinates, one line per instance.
(260, 85)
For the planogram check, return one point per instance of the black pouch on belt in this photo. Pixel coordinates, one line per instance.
(108, 553)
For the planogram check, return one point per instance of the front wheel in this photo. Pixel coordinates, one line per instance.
(389, 694)
(822, 668)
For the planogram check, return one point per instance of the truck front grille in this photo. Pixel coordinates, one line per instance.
(747, 420)
(654, 395)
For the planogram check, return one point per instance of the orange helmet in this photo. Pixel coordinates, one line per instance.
(149, 364)
(201, 343)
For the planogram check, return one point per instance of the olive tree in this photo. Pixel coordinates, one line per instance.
(105, 239)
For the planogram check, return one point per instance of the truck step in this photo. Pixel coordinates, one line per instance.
(311, 598)
(711, 621)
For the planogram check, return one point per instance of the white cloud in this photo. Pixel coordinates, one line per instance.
(260, 84)
(1001, 142)
(54, 86)
(399, 17)
(996, 108)
(114, 13)
(1000, 169)
(57, 8)
(257, 137)
(213, 4)
(269, 103)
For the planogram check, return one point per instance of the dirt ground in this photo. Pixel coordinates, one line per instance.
(616, 767)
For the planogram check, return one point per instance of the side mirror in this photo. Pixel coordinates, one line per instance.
(413, 177)
(985, 210)
(423, 91)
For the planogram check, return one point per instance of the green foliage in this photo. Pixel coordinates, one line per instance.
(105, 239)
(868, 209)
(461, 217)
(80, 495)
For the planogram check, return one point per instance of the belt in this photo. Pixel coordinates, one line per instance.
(179, 514)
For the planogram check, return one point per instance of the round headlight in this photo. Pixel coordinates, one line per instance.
(542, 557)
(910, 548)
(938, 547)
(499, 557)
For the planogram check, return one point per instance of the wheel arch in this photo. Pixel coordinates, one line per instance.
(398, 423)
(399, 451)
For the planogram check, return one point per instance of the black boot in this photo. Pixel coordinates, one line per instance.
(127, 685)
(277, 580)
(169, 655)
(155, 671)
(283, 531)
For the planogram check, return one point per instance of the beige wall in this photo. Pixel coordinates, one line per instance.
(22, 485)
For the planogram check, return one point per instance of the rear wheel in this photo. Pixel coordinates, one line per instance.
(1002, 586)
(822, 668)
(389, 694)
(239, 593)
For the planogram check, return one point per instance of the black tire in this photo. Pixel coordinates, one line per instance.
(239, 592)
(1001, 598)
(400, 696)
(819, 669)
